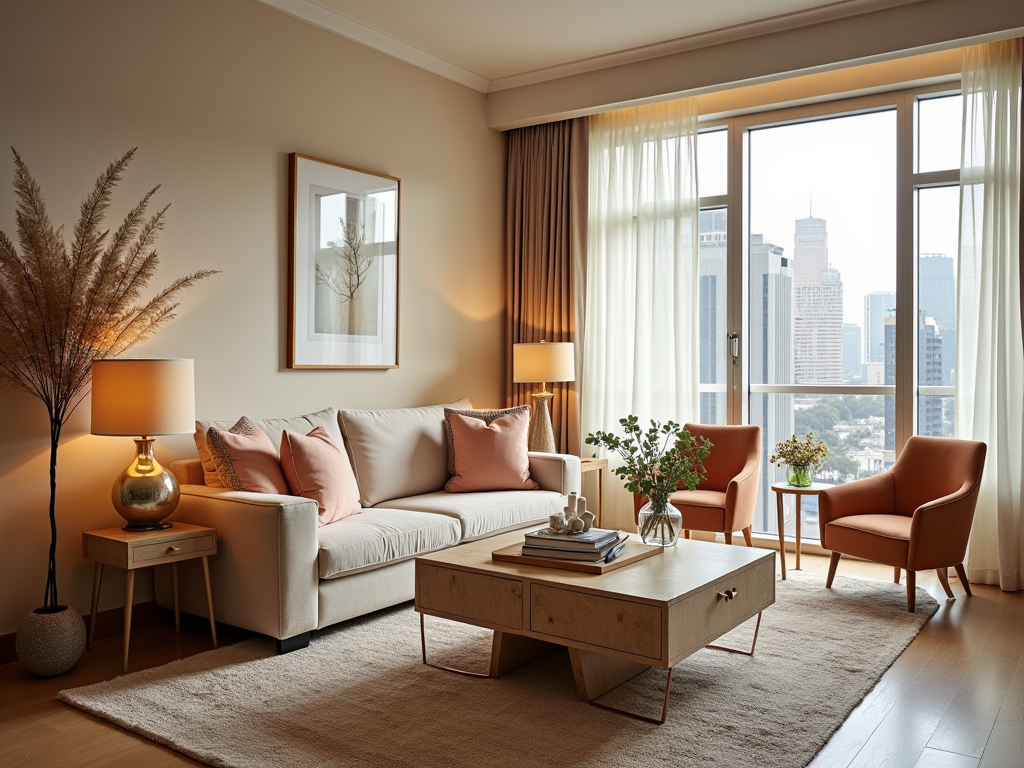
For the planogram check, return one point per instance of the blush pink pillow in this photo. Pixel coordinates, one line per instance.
(246, 459)
(317, 469)
(490, 456)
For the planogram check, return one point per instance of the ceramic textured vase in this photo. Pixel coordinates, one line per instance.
(800, 475)
(659, 524)
(50, 641)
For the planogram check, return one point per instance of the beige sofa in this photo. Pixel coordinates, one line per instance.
(276, 572)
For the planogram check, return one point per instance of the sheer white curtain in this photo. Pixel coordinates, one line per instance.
(640, 349)
(990, 351)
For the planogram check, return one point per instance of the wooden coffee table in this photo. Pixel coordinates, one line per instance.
(653, 613)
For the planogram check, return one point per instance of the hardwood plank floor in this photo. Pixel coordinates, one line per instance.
(954, 699)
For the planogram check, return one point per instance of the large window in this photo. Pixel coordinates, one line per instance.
(837, 288)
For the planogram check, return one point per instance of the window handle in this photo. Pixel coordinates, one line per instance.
(734, 347)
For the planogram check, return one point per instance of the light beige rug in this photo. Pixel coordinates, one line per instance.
(359, 695)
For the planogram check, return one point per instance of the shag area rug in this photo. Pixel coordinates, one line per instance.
(360, 696)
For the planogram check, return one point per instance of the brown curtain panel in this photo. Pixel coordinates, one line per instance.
(545, 251)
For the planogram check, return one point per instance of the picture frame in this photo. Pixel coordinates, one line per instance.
(343, 259)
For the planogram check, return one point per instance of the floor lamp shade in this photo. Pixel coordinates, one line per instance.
(543, 362)
(141, 398)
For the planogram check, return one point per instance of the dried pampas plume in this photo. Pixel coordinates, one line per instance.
(62, 305)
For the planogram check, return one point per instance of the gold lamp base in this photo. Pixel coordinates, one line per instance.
(145, 493)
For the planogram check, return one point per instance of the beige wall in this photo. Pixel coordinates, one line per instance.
(216, 93)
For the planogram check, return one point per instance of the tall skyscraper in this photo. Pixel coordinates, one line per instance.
(770, 347)
(936, 298)
(930, 365)
(713, 327)
(852, 368)
(818, 304)
(877, 306)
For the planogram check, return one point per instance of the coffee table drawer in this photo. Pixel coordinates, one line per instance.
(698, 619)
(472, 596)
(605, 622)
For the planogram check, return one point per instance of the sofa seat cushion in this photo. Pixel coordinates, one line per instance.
(377, 537)
(485, 513)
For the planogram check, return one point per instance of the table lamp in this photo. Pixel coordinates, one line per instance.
(142, 398)
(543, 362)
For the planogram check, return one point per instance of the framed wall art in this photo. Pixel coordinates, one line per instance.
(342, 266)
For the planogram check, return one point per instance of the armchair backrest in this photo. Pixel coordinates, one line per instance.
(932, 467)
(734, 446)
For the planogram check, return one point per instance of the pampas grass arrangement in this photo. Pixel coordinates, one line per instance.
(64, 305)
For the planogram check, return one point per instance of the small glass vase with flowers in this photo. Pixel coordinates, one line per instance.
(656, 463)
(801, 457)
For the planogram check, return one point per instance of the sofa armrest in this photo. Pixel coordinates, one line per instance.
(264, 575)
(555, 472)
(188, 472)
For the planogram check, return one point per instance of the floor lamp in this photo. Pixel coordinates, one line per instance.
(543, 362)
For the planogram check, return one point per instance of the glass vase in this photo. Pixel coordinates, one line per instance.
(800, 475)
(659, 524)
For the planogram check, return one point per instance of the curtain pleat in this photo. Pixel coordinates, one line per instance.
(990, 342)
(546, 241)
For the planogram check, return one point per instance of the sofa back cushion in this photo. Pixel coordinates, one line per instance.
(397, 452)
(272, 428)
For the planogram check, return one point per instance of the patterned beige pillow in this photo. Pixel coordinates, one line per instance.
(486, 416)
(246, 459)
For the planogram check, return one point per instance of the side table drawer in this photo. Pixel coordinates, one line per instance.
(607, 622)
(169, 551)
(489, 600)
(698, 619)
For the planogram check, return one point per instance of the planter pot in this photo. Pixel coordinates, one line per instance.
(800, 475)
(51, 640)
(659, 525)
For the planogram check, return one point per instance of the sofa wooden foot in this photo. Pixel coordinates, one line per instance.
(293, 643)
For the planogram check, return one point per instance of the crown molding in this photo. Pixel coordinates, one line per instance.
(310, 12)
(834, 11)
(332, 21)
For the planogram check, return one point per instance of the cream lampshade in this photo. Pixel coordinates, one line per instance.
(543, 362)
(142, 398)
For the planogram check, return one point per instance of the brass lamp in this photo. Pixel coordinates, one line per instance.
(543, 362)
(142, 398)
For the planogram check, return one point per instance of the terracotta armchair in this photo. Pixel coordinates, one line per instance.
(724, 501)
(915, 516)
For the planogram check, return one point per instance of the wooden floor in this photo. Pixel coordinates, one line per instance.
(954, 699)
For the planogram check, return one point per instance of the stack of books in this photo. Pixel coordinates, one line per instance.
(594, 546)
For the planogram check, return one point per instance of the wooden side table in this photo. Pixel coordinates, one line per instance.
(783, 488)
(601, 467)
(134, 550)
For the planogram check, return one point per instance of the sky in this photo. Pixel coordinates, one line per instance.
(844, 171)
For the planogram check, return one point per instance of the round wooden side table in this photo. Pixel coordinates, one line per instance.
(783, 488)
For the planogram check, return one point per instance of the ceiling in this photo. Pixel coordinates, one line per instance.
(497, 44)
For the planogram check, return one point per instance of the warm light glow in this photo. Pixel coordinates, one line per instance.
(143, 397)
(554, 361)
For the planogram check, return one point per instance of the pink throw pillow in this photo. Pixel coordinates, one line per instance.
(246, 459)
(490, 456)
(317, 469)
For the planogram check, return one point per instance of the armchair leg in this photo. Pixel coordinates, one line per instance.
(911, 590)
(686, 533)
(832, 566)
(896, 574)
(943, 575)
(728, 537)
(746, 536)
(962, 575)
